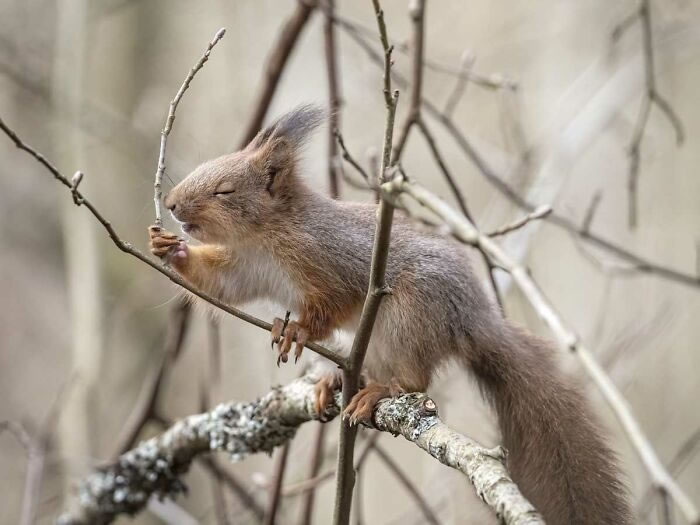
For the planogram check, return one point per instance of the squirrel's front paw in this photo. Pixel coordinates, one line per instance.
(288, 331)
(166, 245)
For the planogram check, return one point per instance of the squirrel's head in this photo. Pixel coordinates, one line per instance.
(233, 196)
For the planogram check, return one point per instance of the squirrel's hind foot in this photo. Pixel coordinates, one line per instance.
(324, 390)
(362, 404)
(288, 331)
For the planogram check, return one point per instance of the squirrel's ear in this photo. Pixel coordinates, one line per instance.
(275, 148)
(294, 127)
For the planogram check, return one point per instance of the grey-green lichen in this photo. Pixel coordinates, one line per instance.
(155, 466)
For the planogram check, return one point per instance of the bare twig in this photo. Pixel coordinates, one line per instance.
(651, 97)
(465, 231)
(349, 158)
(377, 289)
(36, 448)
(148, 397)
(428, 513)
(493, 81)
(171, 118)
(276, 486)
(241, 429)
(640, 264)
(331, 55)
(539, 213)
(466, 65)
(275, 64)
(307, 506)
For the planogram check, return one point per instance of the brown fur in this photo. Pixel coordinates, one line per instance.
(266, 234)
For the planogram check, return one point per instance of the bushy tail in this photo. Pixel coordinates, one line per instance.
(556, 453)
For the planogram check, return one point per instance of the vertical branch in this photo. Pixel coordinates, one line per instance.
(148, 397)
(307, 505)
(345, 478)
(209, 389)
(275, 65)
(651, 97)
(157, 191)
(331, 55)
(276, 487)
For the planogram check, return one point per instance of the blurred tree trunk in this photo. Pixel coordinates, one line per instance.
(82, 261)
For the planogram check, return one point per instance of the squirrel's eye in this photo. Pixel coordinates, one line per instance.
(224, 192)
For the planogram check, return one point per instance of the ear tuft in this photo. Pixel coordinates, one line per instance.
(295, 127)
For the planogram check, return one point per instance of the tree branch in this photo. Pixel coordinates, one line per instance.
(157, 193)
(275, 65)
(240, 429)
(345, 478)
(640, 264)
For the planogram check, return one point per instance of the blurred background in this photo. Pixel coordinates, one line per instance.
(551, 102)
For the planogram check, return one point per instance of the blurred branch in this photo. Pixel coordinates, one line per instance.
(157, 192)
(317, 448)
(539, 213)
(36, 447)
(148, 397)
(276, 486)
(466, 232)
(428, 513)
(331, 54)
(286, 41)
(651, 97)
(640, 264)
(376, 290)
(241, 429)
(486, 81)
(209, 384)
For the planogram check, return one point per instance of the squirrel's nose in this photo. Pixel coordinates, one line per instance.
(169, 202)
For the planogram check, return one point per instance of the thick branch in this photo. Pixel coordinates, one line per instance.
(240, 429)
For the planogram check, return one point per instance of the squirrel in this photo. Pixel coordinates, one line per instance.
(266, 234)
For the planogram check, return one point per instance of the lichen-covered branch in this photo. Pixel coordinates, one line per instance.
(242, 428)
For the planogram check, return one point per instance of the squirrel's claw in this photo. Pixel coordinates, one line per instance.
(287, 332)
(165, 244)
(324, 390)
(361, 406)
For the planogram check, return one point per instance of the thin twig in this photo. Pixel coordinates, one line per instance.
(494, 81)
(276, 485)
(466, 232)
(331, 55)
(466, 64)
(148, 397)
(307, 506)
(651, 97)
(349, 158)
(157, 192)
(539, 213)
(640, 264)
(127, 247)
(394, 467)
(376, 290)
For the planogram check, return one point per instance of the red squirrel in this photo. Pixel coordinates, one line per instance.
(266, 234)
